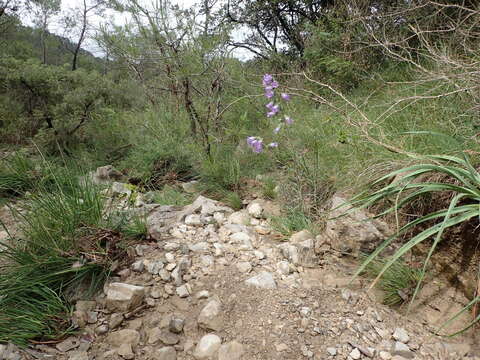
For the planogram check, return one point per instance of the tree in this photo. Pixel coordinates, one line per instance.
(77, 21)
(177, 53)
(275, 23)
(42, 11)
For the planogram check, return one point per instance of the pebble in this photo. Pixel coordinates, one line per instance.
(355, 354)
(400, 334)
(264, 280)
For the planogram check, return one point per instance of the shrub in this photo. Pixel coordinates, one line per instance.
(405, 186)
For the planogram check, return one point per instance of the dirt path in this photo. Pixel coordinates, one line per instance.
(211, 287)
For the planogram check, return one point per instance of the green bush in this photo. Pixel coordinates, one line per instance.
(405, 186)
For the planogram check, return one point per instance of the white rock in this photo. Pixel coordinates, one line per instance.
(400, 334)
(199, 247)
(153, 266)
(207, 347)
(259, 255)
(244, 267)
(170, 257)
(183, 291)
(264, 280)
(332, 351)
(210, 317)
(138, 266)
(255, 210)
(239, 217)
(355, 354)
(124, 297)
(283, 267)
(193, 220)
(401, 349)
(204, 294)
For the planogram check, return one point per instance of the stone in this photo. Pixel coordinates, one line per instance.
(244, 267)
(115, 320)
(124, 336)
(176, 325)
(353, 232)
(239, 217)
(264, 280)
(207, 347)
(160, 220)
(105, 174)
(255, 209)
(400, 334)
(126, 352)
(193, 220)
(301, 236)
(138, 266)
(166, 353)
(331, 351)
(355, 354)
(231, 351)
(204, 294)
(284, 267)
(401, 349)
(153, 266)
(124, 297)
(281, 347)
(68, 344)
(210, 317)
(183, 291)
(102, 329)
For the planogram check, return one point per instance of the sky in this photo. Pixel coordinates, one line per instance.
(120, 19)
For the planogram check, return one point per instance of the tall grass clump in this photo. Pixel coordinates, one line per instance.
(17, 175)
(401, 187)
(59, 251)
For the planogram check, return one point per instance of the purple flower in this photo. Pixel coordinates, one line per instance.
(271, 114)
(269, 94)
(270, 105)
(277, 130)
(274, 84)
(273, 145)
(285, 96)
(288, 120)
(250, 140)
(267, 79)
(257, 146)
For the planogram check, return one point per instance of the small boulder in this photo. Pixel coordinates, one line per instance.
(210, 317)
(166, 353)
(207, 347)
(264, 280)
(124, 297)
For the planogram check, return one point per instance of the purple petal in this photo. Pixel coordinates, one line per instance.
(285, 96)
(258, 146)
(273, 145)
(267, 79)
(274, 84)
(288, 120)
(250, 140)
(269, 94)
(276, 130)
(271, 113)
(270, 106)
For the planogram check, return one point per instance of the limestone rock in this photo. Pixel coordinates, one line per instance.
(239, 217)
(255, 209)
(401, 335)
(264, 280)
(124, 297)
(354, 232)
(210, 318)
(207, 347)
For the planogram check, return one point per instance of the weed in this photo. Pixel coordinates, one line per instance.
(232, 199)
(397, 283)
(269, 189)
(169, 195)
(295, 220)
